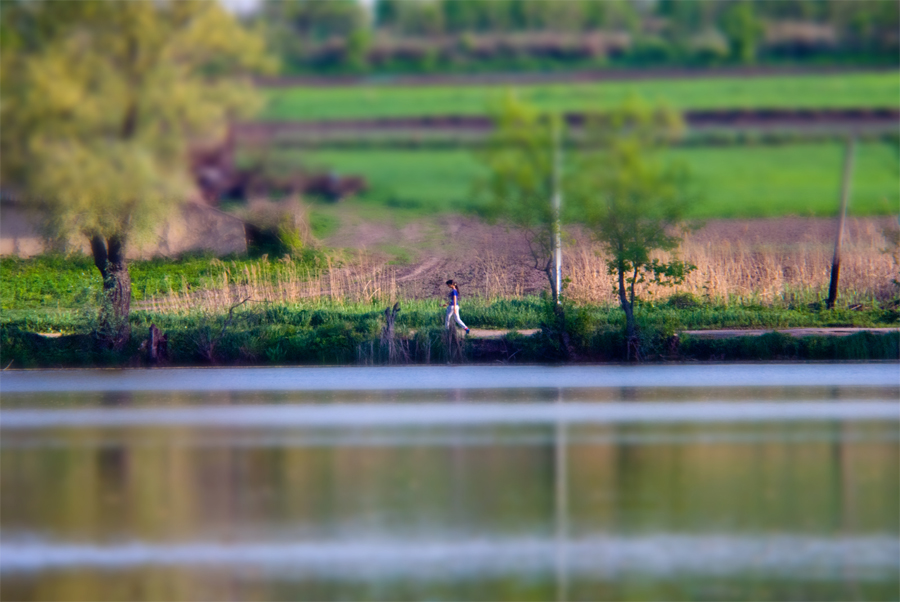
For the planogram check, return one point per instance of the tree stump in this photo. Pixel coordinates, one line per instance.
(454, 344)
(158, 346)
(394, 350)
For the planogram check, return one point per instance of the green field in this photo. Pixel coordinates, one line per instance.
(797, 91)
(739, 182)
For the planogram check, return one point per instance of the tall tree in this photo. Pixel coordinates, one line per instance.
(632, 201)
(99, 103)
(520, 157)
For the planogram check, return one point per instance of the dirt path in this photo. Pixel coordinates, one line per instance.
(426, 265)
(482, 333)
(794, 332)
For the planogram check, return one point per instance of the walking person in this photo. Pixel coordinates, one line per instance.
(453, 306)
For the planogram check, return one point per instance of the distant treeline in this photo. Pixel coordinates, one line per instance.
(428, 36)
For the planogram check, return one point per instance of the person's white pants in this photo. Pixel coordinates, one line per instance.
(453, 310)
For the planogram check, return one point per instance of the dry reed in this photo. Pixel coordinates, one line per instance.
(730, 270)
(284, 281)
(499, 277)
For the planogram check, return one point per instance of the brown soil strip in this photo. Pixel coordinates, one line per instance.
(427, 265)
(725, 118)
(596, 75)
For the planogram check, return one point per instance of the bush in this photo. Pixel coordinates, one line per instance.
(683, 301)
(778, 346)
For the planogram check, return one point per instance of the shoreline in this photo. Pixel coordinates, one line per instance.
(431, 378)
(793, 346)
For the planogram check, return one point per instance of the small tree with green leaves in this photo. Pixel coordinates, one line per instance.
(519, 158)
(634, 203)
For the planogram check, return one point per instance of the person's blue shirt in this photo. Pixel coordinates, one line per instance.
(454, 297)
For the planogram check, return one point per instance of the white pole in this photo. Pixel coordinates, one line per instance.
(557, 204)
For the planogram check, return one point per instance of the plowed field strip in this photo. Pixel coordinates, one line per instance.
(730, 118)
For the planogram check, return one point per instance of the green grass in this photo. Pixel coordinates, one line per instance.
(71, 282)
(323, 333)
(417, 182)
(734, 182)
(323, 224)
(806, 91)
(803, 179)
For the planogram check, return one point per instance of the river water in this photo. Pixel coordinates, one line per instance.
(676, 482)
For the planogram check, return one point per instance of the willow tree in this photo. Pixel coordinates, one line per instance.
(100, 101)
(633, 201)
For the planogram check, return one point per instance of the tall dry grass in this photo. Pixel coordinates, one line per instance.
(733, 269)
(766, 268)
(359, 279)
(500, 277)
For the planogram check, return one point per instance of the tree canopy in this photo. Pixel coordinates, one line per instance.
(101, 99)
(633, 202)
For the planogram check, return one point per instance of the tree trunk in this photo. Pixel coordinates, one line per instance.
(631, 339)
(554, 286)
(627, 307)
(109, 257)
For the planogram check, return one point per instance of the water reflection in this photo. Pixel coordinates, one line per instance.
(783, 492)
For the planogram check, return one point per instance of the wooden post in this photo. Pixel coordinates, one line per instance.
(158, 346)
(845, 194)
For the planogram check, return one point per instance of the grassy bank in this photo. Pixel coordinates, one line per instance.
(787, 91)
(297, 334)
(328, 310)
(732, 182)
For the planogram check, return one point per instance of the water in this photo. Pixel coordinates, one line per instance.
(467, 483)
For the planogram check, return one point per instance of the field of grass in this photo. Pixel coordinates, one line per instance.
(71, 282)
(788, 91)
(733, 182)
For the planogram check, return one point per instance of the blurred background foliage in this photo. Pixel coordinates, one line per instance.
(447, 35)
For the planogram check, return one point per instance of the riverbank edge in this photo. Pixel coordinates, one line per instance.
(26, 350)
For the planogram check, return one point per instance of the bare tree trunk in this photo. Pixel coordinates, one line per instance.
(109, 257)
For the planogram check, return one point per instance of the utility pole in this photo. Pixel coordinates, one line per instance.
(557, 204)
(845, 194)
